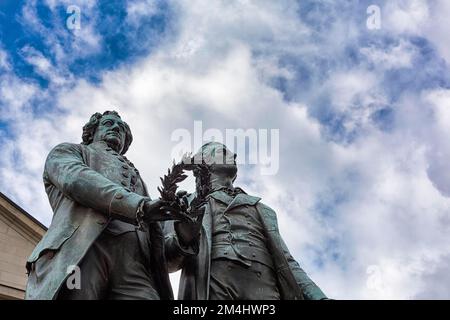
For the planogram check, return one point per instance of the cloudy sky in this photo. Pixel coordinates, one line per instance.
(361, 101)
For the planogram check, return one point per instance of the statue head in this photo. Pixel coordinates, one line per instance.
(220, 160)
(110, 128)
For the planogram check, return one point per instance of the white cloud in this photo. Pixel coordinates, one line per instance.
(22, 158)
(42, 65)
(4, 64)
(439, 146)
(14, 96)
(400, 55)
(423, 18)
(138, 9)
(66, 45)
(407, 16)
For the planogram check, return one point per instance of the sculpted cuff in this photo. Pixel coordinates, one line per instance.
(126, 204)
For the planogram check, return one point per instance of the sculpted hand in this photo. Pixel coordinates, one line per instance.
(189, 230)
(159, 210)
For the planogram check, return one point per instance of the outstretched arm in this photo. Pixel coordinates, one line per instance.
(66, 170)
(182, 237)
(310, 290)
(176, 252)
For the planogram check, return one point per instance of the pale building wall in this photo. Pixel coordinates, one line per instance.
(19, 234)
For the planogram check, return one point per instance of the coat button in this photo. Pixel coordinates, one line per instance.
(119, 196)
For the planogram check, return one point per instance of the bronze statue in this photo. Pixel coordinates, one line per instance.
(241, 255)
(104, 222)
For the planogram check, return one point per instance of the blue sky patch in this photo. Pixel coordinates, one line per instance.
(120, 42)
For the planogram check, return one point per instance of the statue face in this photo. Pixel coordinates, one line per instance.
(219, 158)
(111, 129)
(215, 153)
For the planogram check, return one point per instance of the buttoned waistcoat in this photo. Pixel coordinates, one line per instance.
(87, 185)
(293, 282)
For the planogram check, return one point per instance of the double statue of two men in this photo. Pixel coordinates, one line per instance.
(123, 244)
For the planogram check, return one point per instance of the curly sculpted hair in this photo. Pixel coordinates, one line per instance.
(90, 127)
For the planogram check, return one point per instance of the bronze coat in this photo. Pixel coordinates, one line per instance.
(86, 186)
(293, 282)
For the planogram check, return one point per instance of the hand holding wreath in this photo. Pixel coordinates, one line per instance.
(169, 206)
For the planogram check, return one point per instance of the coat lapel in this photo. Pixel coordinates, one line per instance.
(203, 290)
(241, 199)
(207, 224)
(269, 218)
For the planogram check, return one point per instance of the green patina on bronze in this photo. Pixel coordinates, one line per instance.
(231, 263)
(125, 244)
(95, 190)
